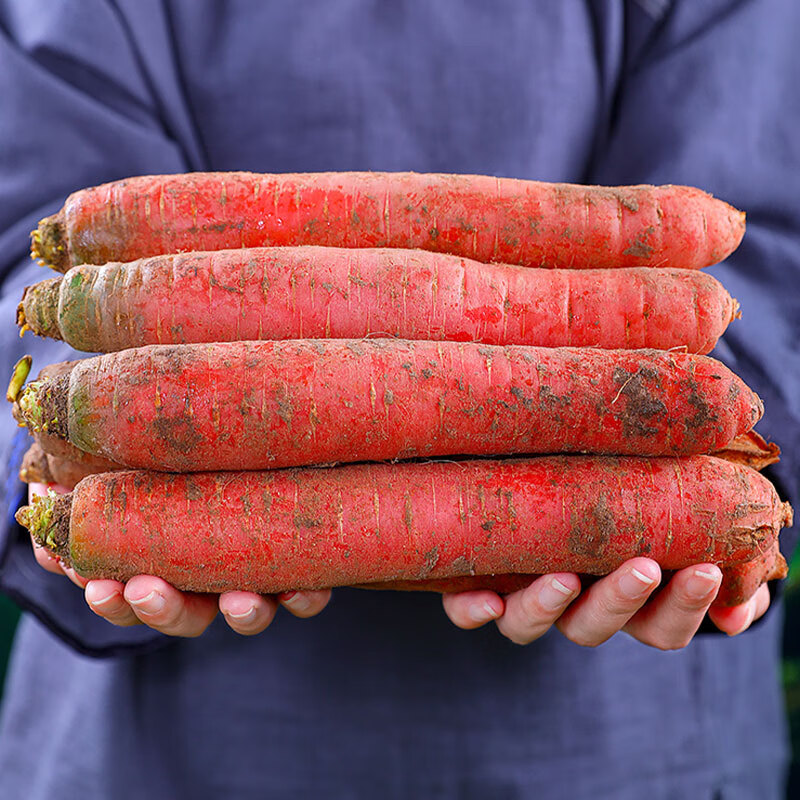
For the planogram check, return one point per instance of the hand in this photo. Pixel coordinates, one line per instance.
(151, 601)
(617, 602)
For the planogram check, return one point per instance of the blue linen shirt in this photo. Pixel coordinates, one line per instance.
(380, 693)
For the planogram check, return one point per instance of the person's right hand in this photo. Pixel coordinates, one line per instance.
(623, 601)
(151, 601)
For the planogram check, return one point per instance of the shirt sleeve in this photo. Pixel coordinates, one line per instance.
(77, 108)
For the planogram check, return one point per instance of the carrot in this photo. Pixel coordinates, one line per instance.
(259, 405)
(40, 467)
(741, 582)
(522, 222)
(313, 528)
(325, 292)
(34, 467)
(64, 451)
(50, 444)
(68, 473)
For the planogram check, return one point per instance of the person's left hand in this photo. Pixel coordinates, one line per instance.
(620, 601)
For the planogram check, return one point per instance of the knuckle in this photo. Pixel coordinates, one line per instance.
(686, 604)
(583, 637)
(531, 612)
(666, 645)
(615, 605)
(519, 635)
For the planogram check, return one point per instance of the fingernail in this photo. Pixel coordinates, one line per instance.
(635, 584)
(297, 601)
(150, 604)
(751, 612)
(103, 600)
(244, 616)
(701, 584)
(481, 612)
(554, 595)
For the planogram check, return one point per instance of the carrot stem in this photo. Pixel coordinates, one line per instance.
(18, 377)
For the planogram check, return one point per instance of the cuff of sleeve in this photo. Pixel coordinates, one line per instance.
(52, 599)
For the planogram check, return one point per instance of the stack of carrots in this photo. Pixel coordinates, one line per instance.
(393, 380)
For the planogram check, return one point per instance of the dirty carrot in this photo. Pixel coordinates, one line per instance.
(335, 293)
(280, 530)
(522, 222)
(260, 405)
(740, 582)
(52, 445)
(34, 467)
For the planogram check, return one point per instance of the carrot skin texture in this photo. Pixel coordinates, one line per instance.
(740, 582)
(263, 405)
(315, 528)
(69, 474)
(481, 217)
(35, 467)
(41, 467)
(334, 293)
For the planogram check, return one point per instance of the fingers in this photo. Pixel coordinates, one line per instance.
(168, 610)
(106, 599)
(149, 600)
(531, 612)
(736, 619)
(152, 601)
(45, 559)
(247, 613)
(470, 610)
(305, 604)
(670, 620)
(606, 606)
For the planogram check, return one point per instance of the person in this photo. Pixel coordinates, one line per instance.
(382, 692)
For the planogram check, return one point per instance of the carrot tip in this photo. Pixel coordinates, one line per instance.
(788, 515)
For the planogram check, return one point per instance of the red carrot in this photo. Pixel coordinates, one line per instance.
(741, 582)
(47, 443)
(324, 292)
(313, 528)
(258, 405)
(481, 217)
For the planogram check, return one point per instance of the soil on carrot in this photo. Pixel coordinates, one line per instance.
(641, 402)
(53, 401)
